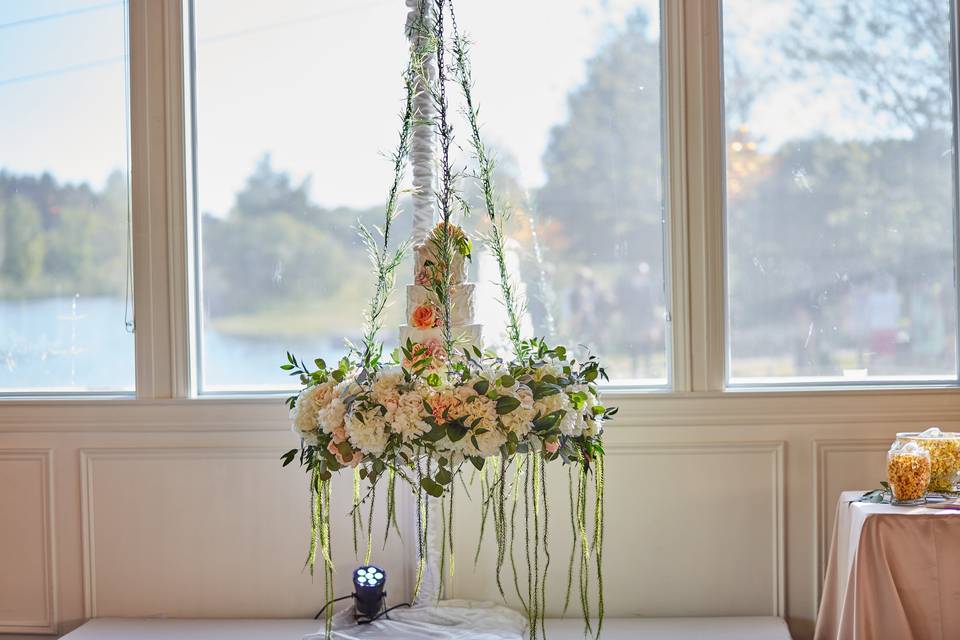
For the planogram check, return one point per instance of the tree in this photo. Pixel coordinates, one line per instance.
(603, 164)
(895, 52)
(23, 242)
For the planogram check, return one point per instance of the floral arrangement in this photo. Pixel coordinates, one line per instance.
(430, 413)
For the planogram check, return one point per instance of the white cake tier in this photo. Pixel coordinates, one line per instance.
(463, 336)
(424, 253)
(461, 302)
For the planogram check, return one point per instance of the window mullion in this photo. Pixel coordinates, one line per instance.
(703, 131)
(675, 183)
(157, 170)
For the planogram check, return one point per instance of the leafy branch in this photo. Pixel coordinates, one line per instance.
(484, 175)
(384, 262)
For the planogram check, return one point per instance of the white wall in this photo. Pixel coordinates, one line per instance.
(716, 506)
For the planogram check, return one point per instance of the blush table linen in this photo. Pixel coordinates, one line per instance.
(893, 572)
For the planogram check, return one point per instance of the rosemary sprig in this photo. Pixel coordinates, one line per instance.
(484, 175)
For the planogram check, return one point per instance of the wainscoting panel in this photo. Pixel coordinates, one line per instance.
(28, 592)
(715, 506)
(841, 465)
(204, 532)
(672, 509)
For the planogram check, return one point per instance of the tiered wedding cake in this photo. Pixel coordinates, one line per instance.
(424, 310)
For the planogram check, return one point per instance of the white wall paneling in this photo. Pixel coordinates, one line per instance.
(28, 586)
(717, 504)
(204, 532)
(838, 466)
(673, 508)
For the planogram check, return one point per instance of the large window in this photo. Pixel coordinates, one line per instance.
(65, 316)
(291, 110)
(840, 191)
(839, 226)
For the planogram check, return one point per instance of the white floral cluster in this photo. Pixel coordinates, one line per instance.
(354, 420)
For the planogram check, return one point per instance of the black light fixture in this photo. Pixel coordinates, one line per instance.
(368, 584)
(369, 598)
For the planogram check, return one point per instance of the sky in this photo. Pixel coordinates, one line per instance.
(316, 83)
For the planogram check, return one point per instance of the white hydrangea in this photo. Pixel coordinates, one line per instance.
(559, 402)
(407, 420)
(489, 442)
(369, 435)
(331, 416)
(305, 412)
(547, 369)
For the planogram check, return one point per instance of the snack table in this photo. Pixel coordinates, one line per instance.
(893, 572)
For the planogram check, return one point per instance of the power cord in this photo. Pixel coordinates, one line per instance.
(366, 620)
(384, 612)
(320, 613)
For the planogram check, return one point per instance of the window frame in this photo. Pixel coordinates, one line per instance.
(164, 241)
(834, 385)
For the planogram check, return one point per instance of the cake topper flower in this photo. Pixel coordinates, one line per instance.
(425, 316)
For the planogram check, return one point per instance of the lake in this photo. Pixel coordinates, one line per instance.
(75, 344)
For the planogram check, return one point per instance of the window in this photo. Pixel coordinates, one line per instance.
(840, 191)
(65, 316)
(290, 111)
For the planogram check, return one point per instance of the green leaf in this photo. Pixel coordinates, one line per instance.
(506, 381)
(506, 404)
(286, 367)
(548, 421)
(436, 433)
(456, 431)
(338, 375)
(431, 487)
(476, 461)
(320, 363)
(545, 389)
(443, 476)
(289, 456)
(481, 387)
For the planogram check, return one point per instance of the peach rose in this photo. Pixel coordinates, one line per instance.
(551, 445)
(353, 460)
(435, 349)
(425, 317)
(444, 406)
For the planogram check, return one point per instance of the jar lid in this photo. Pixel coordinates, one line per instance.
(932, 433)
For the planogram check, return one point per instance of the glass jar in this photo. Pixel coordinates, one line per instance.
(908, 472)
(944, 449)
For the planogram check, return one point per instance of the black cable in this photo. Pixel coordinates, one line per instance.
(319, 613)
(383, 613)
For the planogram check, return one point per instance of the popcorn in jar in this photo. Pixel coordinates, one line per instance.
(944, 449)
(908, 472)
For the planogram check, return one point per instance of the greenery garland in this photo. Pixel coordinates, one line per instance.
(420, 416)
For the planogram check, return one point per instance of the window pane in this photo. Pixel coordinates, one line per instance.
(291, 114)
(840, 191)
(63, 198)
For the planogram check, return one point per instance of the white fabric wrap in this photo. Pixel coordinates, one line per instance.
(450, 620)
(422, 144)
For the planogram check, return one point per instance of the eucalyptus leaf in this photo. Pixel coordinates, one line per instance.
(431, 487)
(506, 404)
